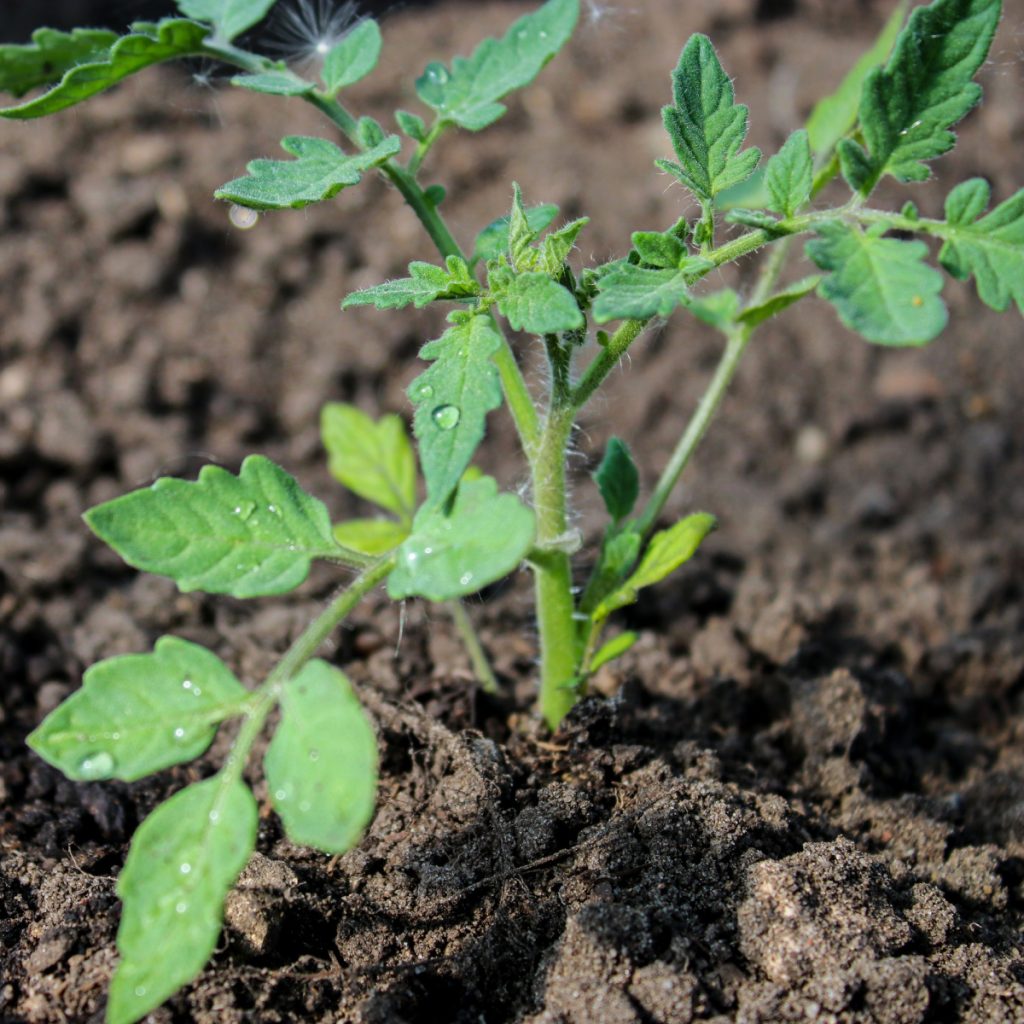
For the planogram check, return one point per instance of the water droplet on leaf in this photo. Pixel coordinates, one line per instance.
(179, 734)
(242, 217)
(465, 579)
(181, 907)
(447, 416)
(96, 766)
(314, 755)
(244, 509)
(185, 867)
(281, 794)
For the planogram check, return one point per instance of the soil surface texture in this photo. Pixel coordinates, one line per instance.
(800, 797)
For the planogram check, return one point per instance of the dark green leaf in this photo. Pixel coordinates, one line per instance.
(49, 56)
(354, 57)
(230, 18)
(184, 858)
(618, 479)
(882, 288)
(140, 713)
(534, 303)
(321, 170)
(493, 241)
(752, 316)
(321, 766)
(620, 549)
(275, 83)
(790, 175)
(484, 537)
(246, 535)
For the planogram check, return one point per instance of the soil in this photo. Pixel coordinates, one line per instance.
(800, 797)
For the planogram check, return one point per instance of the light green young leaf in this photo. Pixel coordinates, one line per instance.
(706, 127)
(275, 83)
(467, 95)
(354, 57)
(372, 459)
(618, 479)
(881, 287)
(452, 398)
(426, 283)
(184, 858)
(49, 56)
(148, 44)
(991, 248)
(140, 713)
(908, 107)
(752, 316)
(557, 246)
(230, 18)
(321, 765)
(667, 550)
(836, 115)
(483, 538)
(613, 649)
(659, 249)
(493, 241)
(248, 535)
(534, 303)
(619, 552)
(321, 170)
(790, 175)
(632, 292)
(718, 309)
(520, 234)
(370, 536)
(411, 124)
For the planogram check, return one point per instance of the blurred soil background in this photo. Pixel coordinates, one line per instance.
(799, 798)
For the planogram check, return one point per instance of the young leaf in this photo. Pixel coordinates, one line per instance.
(619, 552)
(719, 309)
(184, 858)
(908, 107)
(991, 248)
(372, 459)
(229, 18)
(752, 316)
(370, 536)
(615, 648)
(618, 479)
(353, 58)
(484, 537)
(148, 44)
(706, 127)
(659, 249)
(425, 284)
(635, 292)
(321, 170)
(49, 56)
(467, 95)
(275, 83)
(452, 398)
(520, 234)
(558, 245)
(411, 124)
(493, 241)
(321, 765)
(140, 713)
(668, 550)
(534, 303)
(881, 287)
(248, 535)
(790, 175)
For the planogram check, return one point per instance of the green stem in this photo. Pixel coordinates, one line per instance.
(416, 161)
(471, 641)
(606, 360)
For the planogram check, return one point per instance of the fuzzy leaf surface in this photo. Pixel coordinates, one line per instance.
(247, 535)
(373, 459)
(452, 398)
(147, 45)
(618, 479)
(468, 94)
(183, 860)
(275, 83)
(140, 713)
(659, 249)
(908, 107)
(354, 57)
(717, 309)
(534, 303)
(990, 247)
(789, 175)
(557, 245)
(230, 18)
(881, 287)
(632, 292)
(319, 171)
(370, 536)
(321, 765)
(49, 56)
(706, 126)
(493, 241)
(426, 283)
(483, 538)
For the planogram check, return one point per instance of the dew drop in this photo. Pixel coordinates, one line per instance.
(437, 74)
(542, 34)
(425, 391)
(323, 47)
(305, 806)
(411, 557)
(465, 579)
(273, 510)
(314, 755)
(115, 735)
(185, 867)
(181, 907)
(242, 217)
(214, 817)
(96, 766)
(179, 734)
(244, 509)
(428, 551)
(447, 416)
(281, 794)
(186, 684)
(140, 990)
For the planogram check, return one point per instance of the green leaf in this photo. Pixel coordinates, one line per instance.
(752, 316)
(520, 234)
(426, 283)
(275, 83)
(719, 309)
(493, 241)
(467, 95)
(372, 459)
(353, 58)
(613, 649)
(370, 536)
(321, 170)
(659, 249)
(558, 245)
(534, 303)
(668, 550)
(230, 18)
(246, 535)
(321, 765)
(411, 124)
(484, 537)
(790, 175)
(49, 56)
(149, 44)
(836, 115)
(991, 248)
(184, 858)
(882, 288)
(452, 398)
(632, 292)
(706, 127)
(618, 479)
(140, 713)
(908, 107)
(620, 549)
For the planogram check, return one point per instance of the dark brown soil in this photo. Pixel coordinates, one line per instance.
(802, 797)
